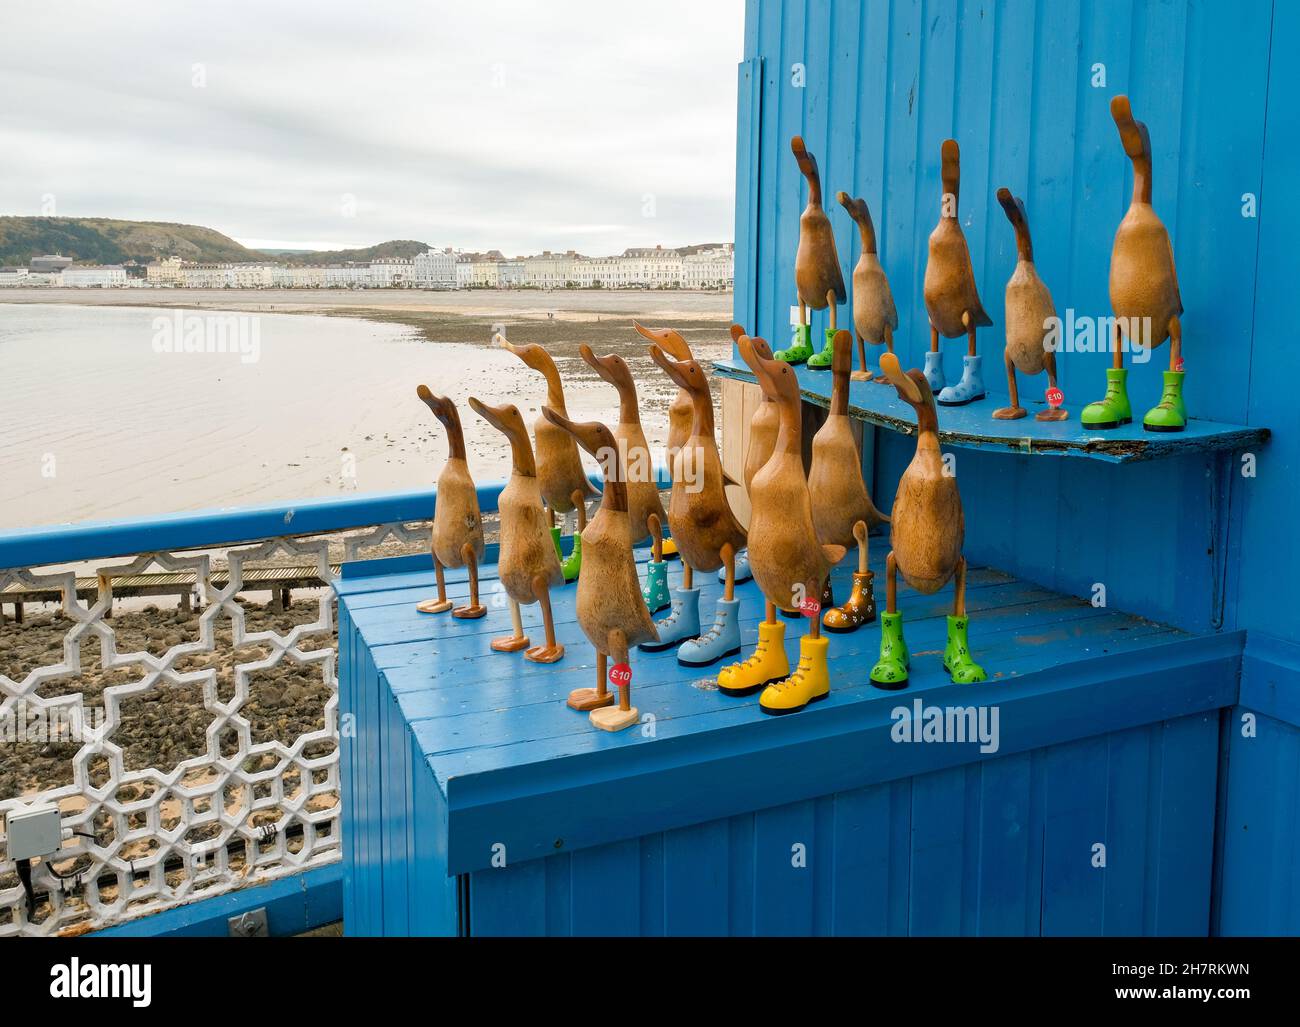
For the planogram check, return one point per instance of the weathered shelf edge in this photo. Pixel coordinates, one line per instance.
(609, 795)
(1116, 451)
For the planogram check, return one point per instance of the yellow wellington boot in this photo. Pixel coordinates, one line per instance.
(810, 681)
(768, 664)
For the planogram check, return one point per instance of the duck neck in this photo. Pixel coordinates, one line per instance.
(702, 401)
(521, 452)
(867, 230)
(614, 493)
(455, 437)
(1142, 179)
(554, 390)
(628, 410)
(789, 437)
(839, 392)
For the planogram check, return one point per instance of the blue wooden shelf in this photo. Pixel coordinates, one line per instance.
(973, 426)
(461, 750)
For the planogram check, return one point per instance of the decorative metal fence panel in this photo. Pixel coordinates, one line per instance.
(191, 750)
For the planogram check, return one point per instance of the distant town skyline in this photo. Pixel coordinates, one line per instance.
(332, 127)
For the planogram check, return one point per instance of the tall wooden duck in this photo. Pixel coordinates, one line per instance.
(645, 510)
(951, 296)
(565, 486)
(529, 566)
(707, 532)
(790, 565)
(457, 536)
(1030, 314)
(874, 315)
(926, 534)
(610, 607)
(817, 275)
(765, 422)
(844, 512)
(1143, 294)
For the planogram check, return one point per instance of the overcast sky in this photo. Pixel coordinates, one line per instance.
(473, 123)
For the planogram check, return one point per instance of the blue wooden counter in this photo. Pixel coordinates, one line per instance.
(477, 802)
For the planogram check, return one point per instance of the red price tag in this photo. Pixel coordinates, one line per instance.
(1178, 364)
(810, 607)
(620, 675)
(1055, 397)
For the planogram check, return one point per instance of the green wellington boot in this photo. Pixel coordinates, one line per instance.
(572, 564)
(1169, 414)
(956, 654)
(890, 671)
(800, 348)
(559, 549)
(821, 361)
(1113, 410)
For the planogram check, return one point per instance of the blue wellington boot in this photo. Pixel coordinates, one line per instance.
(682, 623)
(934, 371)
(969, 389)
(655, 589)
(723, 639)
(743, 573)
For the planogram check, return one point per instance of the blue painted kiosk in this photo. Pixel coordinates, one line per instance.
(1131, 765)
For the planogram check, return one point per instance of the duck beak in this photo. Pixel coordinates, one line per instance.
(441, 406)
(670, 367)
(590, 435)
(736, 332)
(531, 354)
(907, 388)
(666, 339)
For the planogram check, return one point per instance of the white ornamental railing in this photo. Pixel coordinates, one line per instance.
(191, 750)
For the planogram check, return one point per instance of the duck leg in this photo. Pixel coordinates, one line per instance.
(1170, 414)
(616, 718)
(1112, 410)
(1015, 411)
(862, 374)
(551, 651)
(890, 671)
(584, 699)
(655, 590)
(512, 643)
(861, 605)
(956, 654)
(475, 609)
(442, 604)
(1051, 413)
(879, 376)
(934, 363)
(573, 565)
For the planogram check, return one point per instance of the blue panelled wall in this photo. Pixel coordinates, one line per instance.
(874, 87)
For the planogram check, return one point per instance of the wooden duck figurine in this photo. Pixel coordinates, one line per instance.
(844, 512)
(926, 533)
(529, 566)
(1030, 314)
(1143, 294)
(564, 484)
(788, 561)
(707, 532)
(817, 276)
(874, 315)
(765, 422)
(645, 510)
(610, 607)
(457, 526)
(681, 412)
(951, 296)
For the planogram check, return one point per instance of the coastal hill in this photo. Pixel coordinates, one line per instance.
(111, 241)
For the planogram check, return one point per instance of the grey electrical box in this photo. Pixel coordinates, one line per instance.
(33, 831)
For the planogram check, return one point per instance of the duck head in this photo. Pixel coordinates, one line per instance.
(914, 390)
(599, 441)
(509, 422)
(861, 216)
(688, 375)
(950, 172)
(613, 369)
(666, 339)
(1014, 207)
(808, 168)
(775, 377)
(1136, 139)
(538, 359)
(445, 411)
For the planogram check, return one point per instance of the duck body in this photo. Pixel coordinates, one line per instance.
(763, 427)
(950, 289)
(816, 261)
(1029, 306)
(784, 551)
(559, 467)
(609, 591)
(456, 517)
(1143, 282)
(698, 513)
(873, 303)
(642, 491)
(527, 550)
(927, 523)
